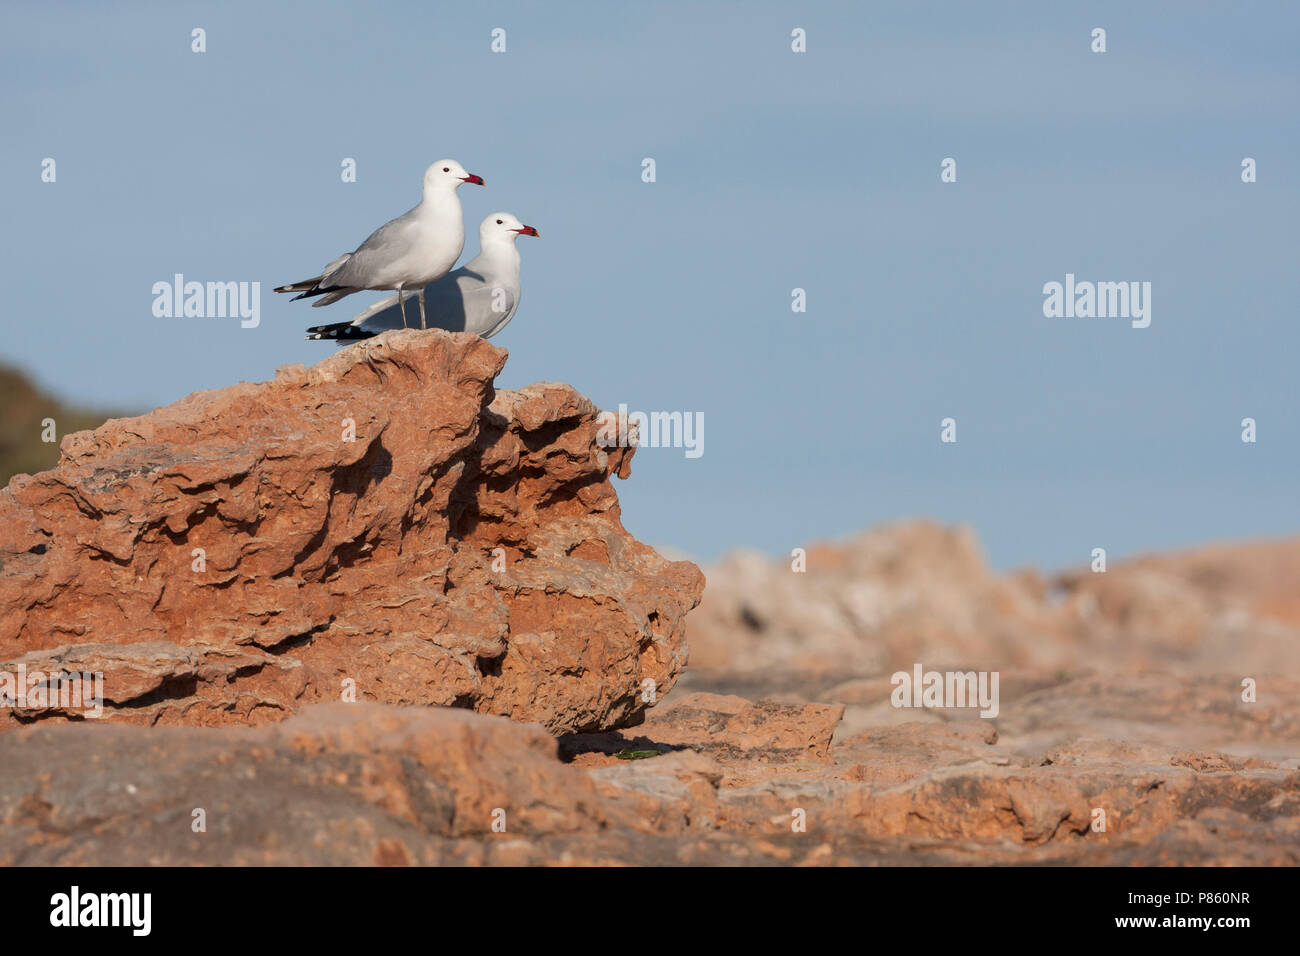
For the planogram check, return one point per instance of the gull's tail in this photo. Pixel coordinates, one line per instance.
(306, 285)
(312, 286)
(341, 331)
(309, 288)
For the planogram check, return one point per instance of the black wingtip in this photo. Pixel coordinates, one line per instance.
(319, 290)
(341, 331)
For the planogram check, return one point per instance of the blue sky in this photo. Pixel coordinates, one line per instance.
(775, 170)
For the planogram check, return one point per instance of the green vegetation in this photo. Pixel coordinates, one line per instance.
(627, 753)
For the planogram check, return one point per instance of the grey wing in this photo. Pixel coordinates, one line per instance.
(488, 307)
(383, 246)
(482, 302)
(502, 319)
(333, 266)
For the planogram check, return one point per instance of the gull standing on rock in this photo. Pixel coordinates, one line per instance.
(407, 253)
(481, 296)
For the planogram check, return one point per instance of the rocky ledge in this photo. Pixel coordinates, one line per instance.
(383, 526)
(340, 567)
(707, 779)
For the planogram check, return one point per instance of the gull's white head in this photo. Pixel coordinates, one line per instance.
(502, 226)
(448, 174)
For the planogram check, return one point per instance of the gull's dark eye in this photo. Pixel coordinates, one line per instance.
(500, 222)
(446, 169)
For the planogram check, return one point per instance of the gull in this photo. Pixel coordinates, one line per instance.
(409, 252)
(480, 297)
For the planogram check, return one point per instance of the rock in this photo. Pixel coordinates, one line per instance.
(919, 592)
(1230, 608)
(362, 784)
(731, 725)
(729, 730)
(339, 783)
(878, 603)
(383, 520)
(1146, 716)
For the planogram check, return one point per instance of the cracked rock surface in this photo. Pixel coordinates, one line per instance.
(384, 524)
(231, 562)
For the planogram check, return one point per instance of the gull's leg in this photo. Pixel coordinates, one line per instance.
(423, 322)
(401, 304)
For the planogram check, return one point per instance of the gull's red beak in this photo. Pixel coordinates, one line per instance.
(471, 178)
(528, 231)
